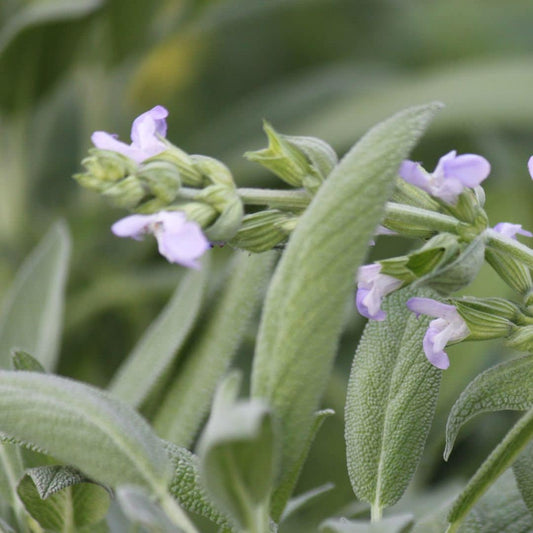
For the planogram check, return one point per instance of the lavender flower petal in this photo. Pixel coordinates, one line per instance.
(510, 230)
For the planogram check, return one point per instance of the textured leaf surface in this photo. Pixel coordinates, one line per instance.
(61, 499)
(498, 461)
(390, 402)
(156, 351)
(190, 396)
(81, 426)
(186, 487)
(505, 386)
(32, 311)
(523, 471)
(303, 313)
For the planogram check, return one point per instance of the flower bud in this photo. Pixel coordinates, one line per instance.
(521, 338)
(487, 318)
(405, 193)
(512, 271)
(161, 178)
(228, 205)
(458, 273)
(127, 193)
(264, 230)
(215, 171)
(299, 161)
(199, 212)
(189, 174)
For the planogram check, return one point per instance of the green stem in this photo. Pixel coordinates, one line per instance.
(505, 244)
(276, 198)
(376, 512)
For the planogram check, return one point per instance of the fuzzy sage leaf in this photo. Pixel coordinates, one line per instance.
(523, 469)
(82, 426)
(155, 352)
(390, 403)
(304, 308)
(505, 386)
(32, 311)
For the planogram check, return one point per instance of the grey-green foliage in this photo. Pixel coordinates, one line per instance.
(390, 402)
(500, 510)
(32, 311)
(297, 503)
(188, 399)
(523, 472)
(505, 386)
(187, 488)
(391, 524)
(498, 461)
(22, 360)
(304, 308)
(153, 355)
(81, 426)
(238, 455)
(62, 499)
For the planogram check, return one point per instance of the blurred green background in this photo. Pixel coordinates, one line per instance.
(327, 68)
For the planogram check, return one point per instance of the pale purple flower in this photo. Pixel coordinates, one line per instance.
(146, 131)
(448, 326)
(530, 166)
(510, 230)
(179, 240)
(452, 174)
(372, 287)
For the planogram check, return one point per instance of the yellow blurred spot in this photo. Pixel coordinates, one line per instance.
(167, 70)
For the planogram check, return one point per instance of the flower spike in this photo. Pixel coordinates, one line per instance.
(179, 240)
(448, 327)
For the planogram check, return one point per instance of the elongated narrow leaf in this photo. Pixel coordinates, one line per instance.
(499, 510)
(499, 460)
(186, 487)
(156, 351)
(61, 499)
(390, 402)
(505, 386)
(523, 472)
(303, 313)
(32, 312)
(294, 505)
(81, 426)
(11, 470)
(191, 394)
(238, 460)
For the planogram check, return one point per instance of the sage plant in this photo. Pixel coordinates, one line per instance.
(206, 448)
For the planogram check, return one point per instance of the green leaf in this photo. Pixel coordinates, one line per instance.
(24, 361)
(499, 460)
(154, 354)
(11, 470)
(190, 396)
(392, 392)
(31, 314)
(304, 308)
(284, 490)
(299, 502)
(500, 509)
(81, 426)
(505, 386)
(37, 45)
(62, 499)
(238, 459)
(391, 524)
(137, 505)
(523, 472)
(186, 487)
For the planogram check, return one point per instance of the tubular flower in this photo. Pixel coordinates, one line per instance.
(448, 327)
(510, 230)
(179, 240)
(146, 131)
(452, 174)
(372, 287)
